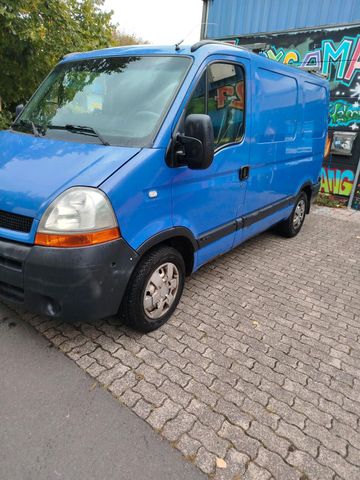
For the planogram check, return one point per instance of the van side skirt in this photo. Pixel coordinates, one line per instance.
(243, 222)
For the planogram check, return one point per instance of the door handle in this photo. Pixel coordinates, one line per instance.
(244, 173)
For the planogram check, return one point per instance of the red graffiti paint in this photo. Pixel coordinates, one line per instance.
(336, 181)
(236, 94)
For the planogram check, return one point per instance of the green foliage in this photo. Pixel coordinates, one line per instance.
(36, 34)
(327, 200)
(5, 119)
(120, 39)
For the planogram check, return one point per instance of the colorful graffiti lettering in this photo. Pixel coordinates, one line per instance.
(233, 93)
(339, 62)
(343, 113)
(336, 181)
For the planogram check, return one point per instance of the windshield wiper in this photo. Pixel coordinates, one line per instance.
(82, 129)
(28, 123)
(35, 130)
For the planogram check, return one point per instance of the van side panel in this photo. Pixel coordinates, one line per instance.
(315, 123)
(289, 133)
(141, 214)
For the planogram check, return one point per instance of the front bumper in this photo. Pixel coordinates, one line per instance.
(69, 283)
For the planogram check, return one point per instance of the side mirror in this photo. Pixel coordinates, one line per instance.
(198, 142)
(19, 109)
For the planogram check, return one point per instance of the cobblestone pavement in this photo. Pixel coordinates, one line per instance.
(259, 366)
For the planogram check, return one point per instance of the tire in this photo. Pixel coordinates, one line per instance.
(291, 226)
(154, 290)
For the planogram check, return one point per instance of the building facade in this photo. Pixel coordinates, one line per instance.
(329, 49)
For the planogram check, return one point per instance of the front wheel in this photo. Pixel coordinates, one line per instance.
(292, 225)
(154, 290)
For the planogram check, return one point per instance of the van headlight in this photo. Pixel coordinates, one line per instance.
(78, 217)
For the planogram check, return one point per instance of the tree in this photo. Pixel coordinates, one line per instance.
(36, 34)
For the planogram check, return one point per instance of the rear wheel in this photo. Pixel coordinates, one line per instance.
(292, 225)
(154, 290)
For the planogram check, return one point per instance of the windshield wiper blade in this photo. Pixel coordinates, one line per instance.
(87, 131)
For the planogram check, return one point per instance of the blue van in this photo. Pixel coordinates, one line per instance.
(131, 167)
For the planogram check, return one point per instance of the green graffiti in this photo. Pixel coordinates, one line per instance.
(343, 113)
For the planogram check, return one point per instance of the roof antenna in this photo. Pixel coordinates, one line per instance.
(177, 45)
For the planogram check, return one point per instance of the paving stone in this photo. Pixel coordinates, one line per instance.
(254, 472)
(150, 374)
(175, 374)
(143, 408)
(159, 416)
(298, 438)
(309, 410)
(338, 464)
(353, 456)
(205, 414)
(242, 442)
(85, 361)
(95, 369)
(104, 358)
(276, 466)
(127, 358)
(233, 414)
(211, 441)
(311, 468)
(108, 376)
(236, 465)
(181, 424)
(205, 460)
(188, 446)
(264, 415)
(150, 393)
(201, 392)
(325, 437)
(176, 393)
(288, 414)
(128, 381)
(268, 438)
(129, 398)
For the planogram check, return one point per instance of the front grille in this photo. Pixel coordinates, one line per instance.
(13, 221)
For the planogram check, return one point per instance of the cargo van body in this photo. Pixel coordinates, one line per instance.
(132, 167)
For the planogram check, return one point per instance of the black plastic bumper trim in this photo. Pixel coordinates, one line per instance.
(69, 283)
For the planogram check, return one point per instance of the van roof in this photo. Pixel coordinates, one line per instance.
(198, 51)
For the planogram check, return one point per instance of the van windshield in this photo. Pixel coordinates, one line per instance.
(116, 100)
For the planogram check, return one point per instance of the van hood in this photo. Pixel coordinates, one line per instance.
(33, 171)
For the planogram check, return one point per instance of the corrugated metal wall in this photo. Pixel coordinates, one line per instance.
(243, 17)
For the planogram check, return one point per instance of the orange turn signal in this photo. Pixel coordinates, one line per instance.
(76, 239)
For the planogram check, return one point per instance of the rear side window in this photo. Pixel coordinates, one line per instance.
(221, 94)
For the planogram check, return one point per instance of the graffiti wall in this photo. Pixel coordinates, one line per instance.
(334, 52)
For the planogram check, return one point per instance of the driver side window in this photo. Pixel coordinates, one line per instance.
(220, 93)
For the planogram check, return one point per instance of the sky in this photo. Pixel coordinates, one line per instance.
(160, 22)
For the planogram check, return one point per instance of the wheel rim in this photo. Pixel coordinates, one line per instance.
(161, 290)
(299, 214)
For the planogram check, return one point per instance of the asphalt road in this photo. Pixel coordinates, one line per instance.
(56, 423)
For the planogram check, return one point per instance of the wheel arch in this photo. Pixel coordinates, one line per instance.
(180, 238)
(307, 188)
